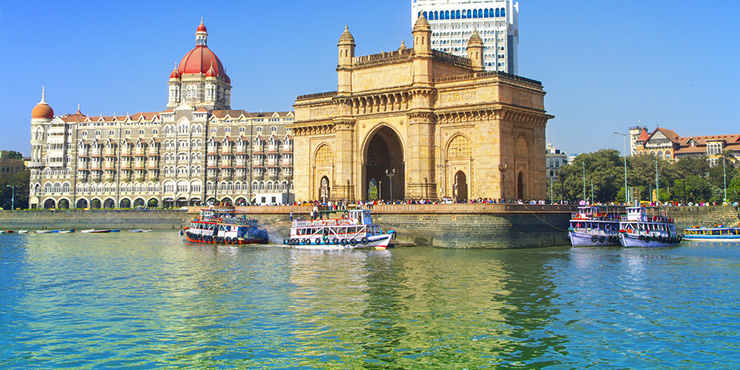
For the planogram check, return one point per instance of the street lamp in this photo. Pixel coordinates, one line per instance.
(503, 168)
(626, 196)
(12, 197)
(390, 175)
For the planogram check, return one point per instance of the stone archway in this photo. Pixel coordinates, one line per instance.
(125, 203)
(383, 157)
(139, 202)
(63, 204)
(109, 203)
(50, 203)
(82, 203)
(324, 189)
(461, 186)
(520, 185)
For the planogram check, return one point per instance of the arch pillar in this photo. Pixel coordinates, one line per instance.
(345, 179)
(420, 179)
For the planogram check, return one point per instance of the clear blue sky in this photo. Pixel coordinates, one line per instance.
(605, 64)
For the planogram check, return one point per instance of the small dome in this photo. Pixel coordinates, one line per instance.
(422, 24)
(346, 38)
(42, 110)
(175, 74)
(475, 40)
(201, 27)
(211, 72)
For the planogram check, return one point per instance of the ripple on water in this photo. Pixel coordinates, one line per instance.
(150, 300)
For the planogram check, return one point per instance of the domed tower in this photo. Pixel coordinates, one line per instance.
(200, 79)
(346, 48)
(423, 51)
(475, 51)
(41, 116)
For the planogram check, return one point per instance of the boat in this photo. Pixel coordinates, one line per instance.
(594, 226)
(96, 231)
(355, 229)
(647, 228)
(67, 231)
(140, 231)
(224, 225)
(7, 231)
(23, 231)
(719, 233)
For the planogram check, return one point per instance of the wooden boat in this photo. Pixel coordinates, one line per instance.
(224, 225)
(718, 233)
(355, 229)
(647, 228)
(140, 231)
(594, 226)
(68, 231)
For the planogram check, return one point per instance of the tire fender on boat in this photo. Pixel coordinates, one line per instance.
(364, 240)
(594, 238)
(353, 242)
(602, 239)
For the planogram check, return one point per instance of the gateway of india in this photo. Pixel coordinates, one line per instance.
(421, 124)
(414, 123)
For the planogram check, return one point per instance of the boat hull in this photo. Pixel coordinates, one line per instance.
(633, 241)
(224, 241)
(712, 238)
(373, 242)
(585, 239)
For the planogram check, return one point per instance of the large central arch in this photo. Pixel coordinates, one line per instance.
(384, 152)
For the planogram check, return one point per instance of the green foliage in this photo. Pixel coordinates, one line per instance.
(20, 180)
(606, 169)
(14, 155)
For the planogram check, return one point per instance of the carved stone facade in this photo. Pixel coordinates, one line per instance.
(421, 124)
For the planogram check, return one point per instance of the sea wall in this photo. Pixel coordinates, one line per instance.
(448, 225)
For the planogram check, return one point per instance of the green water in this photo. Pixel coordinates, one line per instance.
(141, 301)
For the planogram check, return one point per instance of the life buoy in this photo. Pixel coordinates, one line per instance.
(594, 238)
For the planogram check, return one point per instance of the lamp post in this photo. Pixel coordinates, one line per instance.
(626, 196)
(12, 197)
(390, 174)
(503, 168)
(724, 176)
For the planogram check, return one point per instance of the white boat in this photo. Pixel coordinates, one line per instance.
(140, 231)
(647, 228)
(55, 231)
(22, 231)
(594, 226)
(355, 229)
(95, 231)
(224, 225)
(712, 234)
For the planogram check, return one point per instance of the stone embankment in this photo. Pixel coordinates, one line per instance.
(444, 225)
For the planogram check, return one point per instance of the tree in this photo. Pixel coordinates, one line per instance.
(14, 155)
(20, 180)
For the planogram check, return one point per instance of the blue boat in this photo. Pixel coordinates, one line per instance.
(718, 233)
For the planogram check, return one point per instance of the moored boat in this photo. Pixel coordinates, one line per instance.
(96, 231)
(67, 231)
(594, 226)
(23, 231)
(647, 228)
(355, 229)
(140, 231)
(718, 233)
(224, 225)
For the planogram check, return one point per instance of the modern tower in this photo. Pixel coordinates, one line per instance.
(454, 21)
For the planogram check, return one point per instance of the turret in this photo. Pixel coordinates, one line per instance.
(475, 51)
(346, 48)
(422, 51)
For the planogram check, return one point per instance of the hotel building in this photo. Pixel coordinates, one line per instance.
(454, 21)
(198, 150)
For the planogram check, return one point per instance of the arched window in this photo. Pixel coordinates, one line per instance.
(485, 13)
(498, 12)
(447, 14)
(520, 148)
(324, 156)
(503, 12)
(469, 13)
(459, 148)
(457, 14)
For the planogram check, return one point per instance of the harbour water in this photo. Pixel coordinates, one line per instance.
(141, 301)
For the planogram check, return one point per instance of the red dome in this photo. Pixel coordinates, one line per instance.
(201, 27)
(175, 74)
(199, 60)
(42, 111)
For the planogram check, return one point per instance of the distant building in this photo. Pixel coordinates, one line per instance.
(454, 21)
(666, 144)
(9, 167)
(554, 158)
